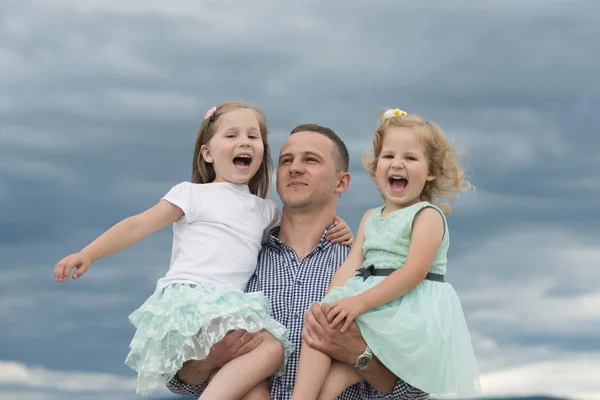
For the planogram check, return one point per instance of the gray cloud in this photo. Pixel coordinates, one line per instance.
(100, 103)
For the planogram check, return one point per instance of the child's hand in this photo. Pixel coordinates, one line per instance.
(340, 233)
(348, 309)
(63, 269)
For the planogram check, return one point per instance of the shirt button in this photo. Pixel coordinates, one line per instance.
(297, 315)
(289, 388)
(298, 283)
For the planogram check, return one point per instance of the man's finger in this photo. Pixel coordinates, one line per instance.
(349, 320)
(340, 317)
(232, 337)
(248, 336)
(308, 338)
(248, 346)
(311, 324)
(307, 329)
(321, 319)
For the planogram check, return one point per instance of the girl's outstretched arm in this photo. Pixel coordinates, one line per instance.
(425, 241)
(122, 235)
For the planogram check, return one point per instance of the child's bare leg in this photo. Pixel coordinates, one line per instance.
(259, 392)
(312, 370)
(340, 377)
(243, 373)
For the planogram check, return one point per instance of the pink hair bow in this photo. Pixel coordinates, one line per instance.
(210, 112)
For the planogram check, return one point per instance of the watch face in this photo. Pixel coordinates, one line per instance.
(363, 362)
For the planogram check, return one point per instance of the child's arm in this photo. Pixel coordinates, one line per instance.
(426, 237)
(122, 235)
(425, 240)
(354, 260)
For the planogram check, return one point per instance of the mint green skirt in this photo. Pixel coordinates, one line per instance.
(181, 322)
(422, 337)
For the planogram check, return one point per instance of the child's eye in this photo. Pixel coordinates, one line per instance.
(230, 136)
(387, 156)
(253, 137)
(411, 158)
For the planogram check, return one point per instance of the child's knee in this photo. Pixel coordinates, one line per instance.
(272, 349)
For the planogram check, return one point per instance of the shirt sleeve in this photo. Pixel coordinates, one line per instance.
(183, 389)
(273, 215)
(253, 284)
(184, 196)
(402, 391)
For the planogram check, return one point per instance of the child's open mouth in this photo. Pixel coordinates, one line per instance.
(397, 183)
(242, 161)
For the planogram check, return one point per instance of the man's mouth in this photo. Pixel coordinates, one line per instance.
(296, 184)
(242, 161)
(397, 183)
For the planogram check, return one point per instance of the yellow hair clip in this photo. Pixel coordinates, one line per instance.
(396, 112)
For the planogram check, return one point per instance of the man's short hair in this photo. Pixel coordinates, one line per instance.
(340, 151)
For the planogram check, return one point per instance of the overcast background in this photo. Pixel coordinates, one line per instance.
(101, 100)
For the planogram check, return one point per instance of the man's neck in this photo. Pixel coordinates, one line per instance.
(302, 231)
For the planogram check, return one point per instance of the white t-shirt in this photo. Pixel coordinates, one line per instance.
(217, 240)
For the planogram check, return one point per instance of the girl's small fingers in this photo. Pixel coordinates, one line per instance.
(347, 237)
(335, 230)
(338, 319)
(335, 237)
(332, 314)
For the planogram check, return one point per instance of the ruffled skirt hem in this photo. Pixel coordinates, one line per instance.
(182, 322)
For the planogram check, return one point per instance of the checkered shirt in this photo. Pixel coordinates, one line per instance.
(292, 286)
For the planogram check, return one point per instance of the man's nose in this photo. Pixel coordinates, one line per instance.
(296, 167)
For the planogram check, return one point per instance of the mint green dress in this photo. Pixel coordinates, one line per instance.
(422, 337)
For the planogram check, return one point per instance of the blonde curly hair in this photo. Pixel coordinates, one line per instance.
(441, 156)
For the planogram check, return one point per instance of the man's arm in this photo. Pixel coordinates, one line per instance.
(346, 347)
(192, 378)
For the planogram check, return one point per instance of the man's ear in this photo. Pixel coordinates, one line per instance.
(343, 182)
(205, 151)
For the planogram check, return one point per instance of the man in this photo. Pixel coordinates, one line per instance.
(294, 269)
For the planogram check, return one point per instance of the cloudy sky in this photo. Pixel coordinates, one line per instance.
(100, 102)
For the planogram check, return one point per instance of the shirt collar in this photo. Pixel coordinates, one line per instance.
(273, 240)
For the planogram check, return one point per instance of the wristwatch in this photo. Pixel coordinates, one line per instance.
(364, 360)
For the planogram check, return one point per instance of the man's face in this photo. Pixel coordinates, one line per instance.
(306, 173)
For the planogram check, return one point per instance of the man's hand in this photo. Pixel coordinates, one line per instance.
(342, 346)
(345, 347)
(234, 344)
